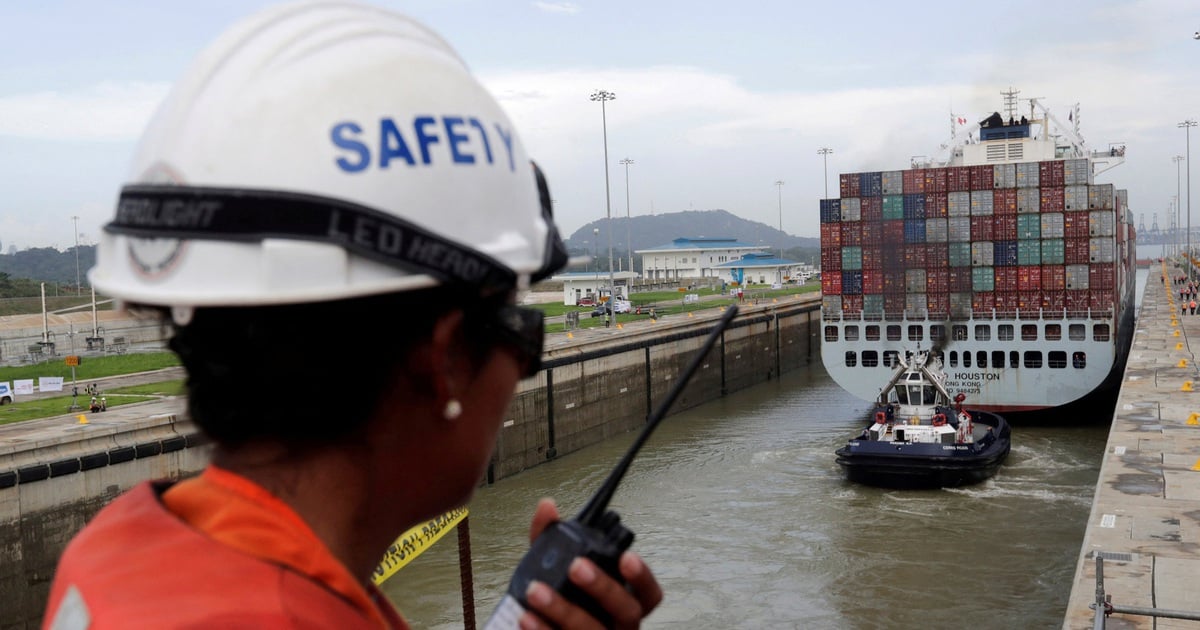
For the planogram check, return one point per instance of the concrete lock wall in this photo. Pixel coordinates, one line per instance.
(586, 393)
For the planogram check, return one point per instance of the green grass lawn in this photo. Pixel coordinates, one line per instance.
(93, 367)
(32, 409)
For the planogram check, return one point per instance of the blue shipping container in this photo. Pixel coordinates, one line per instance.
(914, 206)
(1005, 253)
(851, 283)
(870, 184)
(914, 230)
(831, 210)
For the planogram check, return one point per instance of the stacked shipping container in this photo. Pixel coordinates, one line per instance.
(948, 242)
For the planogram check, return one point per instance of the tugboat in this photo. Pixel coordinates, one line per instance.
(919, 438)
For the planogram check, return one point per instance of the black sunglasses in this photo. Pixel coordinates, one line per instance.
(522, 329)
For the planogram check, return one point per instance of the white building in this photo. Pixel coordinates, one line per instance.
(758, 268)
(692, 257)
(582, 284)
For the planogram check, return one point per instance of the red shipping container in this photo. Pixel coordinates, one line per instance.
(937, 205)
(872, 281)
(914, 256)
(893, 283)
(1005, 225)
(851, 234)
(871, 209)
(960, 279)
(935, 181)
(1100, 300)
(1054, 278)
(937, 280)
(1005, 301)
(1077, 251)
(983, 302)
(893, 302)
(938, 304)
(1052, 198)
(914, 181)
(1029, 278)
(831, 282)
(872, 258)
(872, 234)
(982, 228)
(937, 255)
(1102, 277)
(849, 185)
(958, 178)
(1051, 173)
(1075, 225)
(1029, 300)
(893, 257)
(831, 235)
(831, 260)
(1054, 300)
(893, 232)
(1006, 279)
(981, 177)
(1004, 201)
(852, 303)
(1077, 300)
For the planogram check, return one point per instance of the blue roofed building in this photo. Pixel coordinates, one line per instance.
(700, 257)
(758, 268)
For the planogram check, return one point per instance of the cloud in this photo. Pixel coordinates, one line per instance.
(107, 111)
(568, 8)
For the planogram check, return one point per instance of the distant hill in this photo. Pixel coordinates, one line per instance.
(45, 264)
(659, 229)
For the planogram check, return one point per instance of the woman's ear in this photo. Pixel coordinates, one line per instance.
(443, 358)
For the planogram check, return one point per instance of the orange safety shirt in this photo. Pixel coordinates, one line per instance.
(214, 551)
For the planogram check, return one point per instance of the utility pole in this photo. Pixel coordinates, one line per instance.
(779, 189)
(824, 153)
(628, 222)
(78, 289)
(1187, 127)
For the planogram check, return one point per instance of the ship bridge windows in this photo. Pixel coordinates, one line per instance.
(831, 333)
(998, 358)
(1053, 332)
(891, 358)
(851, 358)
(916, 332)
(1056, 359)
(870, 358)
(953, 358)
(1079, 360)
(1033, 358)
(959, 332)
(893, 332)
(981, 359)
(851, 332)
(1004, 332)
(1077, 332)
(983, 332)
(966, 358)
(1014, 359)
(873, 332)
(1100, 332)
(1029, 332)
(937, 332)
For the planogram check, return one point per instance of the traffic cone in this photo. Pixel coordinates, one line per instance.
(82, 419)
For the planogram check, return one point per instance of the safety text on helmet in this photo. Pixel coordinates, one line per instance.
(462, 141)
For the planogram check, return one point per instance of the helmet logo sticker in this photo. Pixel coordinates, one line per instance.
(155, 258)
(466, 141)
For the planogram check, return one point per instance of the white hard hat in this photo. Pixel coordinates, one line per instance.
(324, 150)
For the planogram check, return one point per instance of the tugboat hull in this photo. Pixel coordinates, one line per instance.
(906, 465)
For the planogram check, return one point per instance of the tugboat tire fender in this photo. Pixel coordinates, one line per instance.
(939, 419)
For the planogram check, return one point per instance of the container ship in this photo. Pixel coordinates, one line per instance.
(1006, 256)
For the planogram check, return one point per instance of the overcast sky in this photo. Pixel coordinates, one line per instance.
(716, 101)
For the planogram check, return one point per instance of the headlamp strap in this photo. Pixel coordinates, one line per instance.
(244, 215)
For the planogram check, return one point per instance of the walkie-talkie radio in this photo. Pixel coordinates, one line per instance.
(596, 533)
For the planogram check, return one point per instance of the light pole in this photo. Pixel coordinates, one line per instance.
(75, 220)
(779, 189)
(824, 153)
(1178, 199)
(605, 96)
(1187, 128)
(628, 223)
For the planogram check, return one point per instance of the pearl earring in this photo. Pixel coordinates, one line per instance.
(453, 409)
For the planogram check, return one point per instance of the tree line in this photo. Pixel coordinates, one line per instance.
(23, 272)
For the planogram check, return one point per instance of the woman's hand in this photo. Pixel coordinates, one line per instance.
(627, 606)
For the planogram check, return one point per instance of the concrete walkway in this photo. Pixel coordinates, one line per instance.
(1145, 519)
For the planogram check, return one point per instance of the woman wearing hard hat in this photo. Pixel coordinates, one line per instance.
(335, 167)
